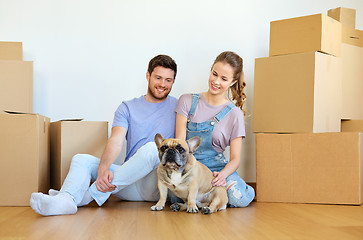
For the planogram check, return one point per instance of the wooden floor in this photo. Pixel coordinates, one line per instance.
(134, 220)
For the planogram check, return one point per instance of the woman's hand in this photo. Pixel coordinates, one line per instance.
(219, 179)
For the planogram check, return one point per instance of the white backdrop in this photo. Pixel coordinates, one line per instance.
(89, 55)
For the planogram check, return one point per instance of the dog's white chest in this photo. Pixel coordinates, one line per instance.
(176, 178)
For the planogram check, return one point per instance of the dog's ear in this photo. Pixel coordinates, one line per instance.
(158, 139)
(193, 144)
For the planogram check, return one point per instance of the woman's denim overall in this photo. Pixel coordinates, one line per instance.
(239, 193)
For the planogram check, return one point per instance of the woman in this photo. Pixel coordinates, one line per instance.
(219, 123)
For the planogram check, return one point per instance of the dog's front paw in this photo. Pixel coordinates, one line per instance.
(175, 207)
(192, 209)
(157, 208)
(206, 210)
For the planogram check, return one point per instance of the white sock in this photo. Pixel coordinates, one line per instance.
(53, 192)
(46, 205)
(87, 198)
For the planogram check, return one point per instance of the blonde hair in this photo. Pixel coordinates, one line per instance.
(236, 91)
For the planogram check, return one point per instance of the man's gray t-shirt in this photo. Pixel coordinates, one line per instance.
(143, 120)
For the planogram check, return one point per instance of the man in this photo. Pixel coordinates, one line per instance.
(138, 120)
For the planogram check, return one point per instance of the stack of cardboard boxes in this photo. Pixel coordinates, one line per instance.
(310, 81)
(28, 163)
(352, 52)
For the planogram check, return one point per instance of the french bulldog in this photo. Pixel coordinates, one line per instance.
(186, 177)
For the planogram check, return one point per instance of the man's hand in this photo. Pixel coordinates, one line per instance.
(103, 182)
(112, 150)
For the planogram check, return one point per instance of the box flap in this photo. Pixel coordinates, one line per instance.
(13, 112)
(74, 119)
(36, 115)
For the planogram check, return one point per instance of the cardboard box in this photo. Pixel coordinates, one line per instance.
(305, 34)
(352, 36)
(344, 15)
(352, 125)
(11, 51)
(24, 157)
(352, 88)
(310, 168)
(70, 137)
(297, 93)
(16, 81)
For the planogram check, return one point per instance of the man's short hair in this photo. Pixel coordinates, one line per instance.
(162, 61)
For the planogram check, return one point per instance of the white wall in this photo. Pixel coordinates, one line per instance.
(90, 55)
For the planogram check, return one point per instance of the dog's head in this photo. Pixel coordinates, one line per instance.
(174, 153)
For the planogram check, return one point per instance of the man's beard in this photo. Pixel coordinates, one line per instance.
(154, 95)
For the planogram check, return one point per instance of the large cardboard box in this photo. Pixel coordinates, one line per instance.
(352, 36)
(305, 34)
(70, 137)
(16, 81)
(24, 157)
(322, 168)
(352, 125)
(297, 93)
(352, 86)
(344, 15)
(11, 51)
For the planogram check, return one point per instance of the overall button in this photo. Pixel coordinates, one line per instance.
(212, 123)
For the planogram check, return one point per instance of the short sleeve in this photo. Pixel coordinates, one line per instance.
(238, 129)
(122, 115)
(184, 105)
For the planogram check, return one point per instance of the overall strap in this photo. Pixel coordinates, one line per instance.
(194, 104)
(224, 112)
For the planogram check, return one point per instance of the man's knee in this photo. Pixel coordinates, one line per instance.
(150, 147)
(154, 154)
(149, 153)
(83, 159)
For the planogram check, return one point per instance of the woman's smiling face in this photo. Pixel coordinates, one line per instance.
(221, 78)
